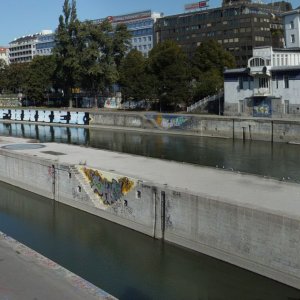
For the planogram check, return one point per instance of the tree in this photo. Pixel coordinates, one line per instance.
(65, 51)
(121, 43)
(211, 55)
(40, 77)
(3, 75)
(168, 64)
(207, 65)
(135, 80)
(17, 77)
(98, 68)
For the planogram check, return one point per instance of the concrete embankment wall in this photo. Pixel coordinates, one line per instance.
(264, 241)
(277, 130)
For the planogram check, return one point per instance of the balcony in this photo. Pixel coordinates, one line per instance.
(261, 92)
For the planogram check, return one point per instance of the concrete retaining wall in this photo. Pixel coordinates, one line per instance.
(259, 240)
(264, 129)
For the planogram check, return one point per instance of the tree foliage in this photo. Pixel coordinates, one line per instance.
(40, 77)
(207, 65)
(135, 81)
(169, 66)
(65, 51)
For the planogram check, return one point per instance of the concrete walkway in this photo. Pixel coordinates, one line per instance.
(246, 190)
(27, 275)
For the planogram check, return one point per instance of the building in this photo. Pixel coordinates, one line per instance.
(292, 25)
(238, 25)
(270, 85)
(4, 51)
(45, 43)
(141, 26)
(23, 49)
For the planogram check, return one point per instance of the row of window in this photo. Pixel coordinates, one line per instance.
(219, 14)
(45, 45)
(44, 51)
(134, 25)
(20, 53)
(18, 48)
(263, 82)
(139, 32)
(143, 47)
(142, 39)
(286, 59)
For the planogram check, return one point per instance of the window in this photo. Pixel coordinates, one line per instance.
(241, 85)
(292, 38)
(286, 81)
(263, 82)
(277, 81)
(292, 25)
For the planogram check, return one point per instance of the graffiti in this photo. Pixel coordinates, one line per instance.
(262, 107)
(112, 103)
(63, 117)
(169, 121)
(120, 208)
(109, 190)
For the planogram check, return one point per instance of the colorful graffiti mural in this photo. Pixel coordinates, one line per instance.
(45, 116)
(262, 107)
(108, 188)
(169, 121)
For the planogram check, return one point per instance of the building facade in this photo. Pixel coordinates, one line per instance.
(270, 85)
(45, 43)
(141, 27)
(23, 49)
(4, 52)
(292, 25)
(238, 25)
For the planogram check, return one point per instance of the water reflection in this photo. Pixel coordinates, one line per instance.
(125, 263)
(277, 160)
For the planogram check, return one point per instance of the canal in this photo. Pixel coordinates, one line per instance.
(123, 262)
(278, 160)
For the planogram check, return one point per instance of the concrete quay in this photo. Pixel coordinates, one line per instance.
(25, 275)
(246, 220)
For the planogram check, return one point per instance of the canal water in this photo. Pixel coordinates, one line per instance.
(278, 160)
(123, 262)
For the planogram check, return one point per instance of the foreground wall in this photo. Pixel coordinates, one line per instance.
(263, 241)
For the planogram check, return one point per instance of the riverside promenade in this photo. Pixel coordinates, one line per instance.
(25, 274)
(249, 221)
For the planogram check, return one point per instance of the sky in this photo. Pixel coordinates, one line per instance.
(23, 17)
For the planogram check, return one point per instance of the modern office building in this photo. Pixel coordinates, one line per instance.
(23, 49)
(4, 52)
(239, 25)
(45, 43)
(141, 26)
(270, 85)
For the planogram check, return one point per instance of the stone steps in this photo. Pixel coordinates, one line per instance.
(86, 186)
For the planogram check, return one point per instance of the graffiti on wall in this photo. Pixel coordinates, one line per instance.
(45, 116)
(169, 121)
(262, 107)
(109, 189)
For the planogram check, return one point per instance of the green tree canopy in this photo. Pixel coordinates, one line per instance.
(66, 49)
(135, 80)
(169, 66)
(39, 77)
(211, 55)
(207, 65)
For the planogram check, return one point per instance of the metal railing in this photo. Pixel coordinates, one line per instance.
(204, 101)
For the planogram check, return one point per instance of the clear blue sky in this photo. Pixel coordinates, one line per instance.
(22, 17)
